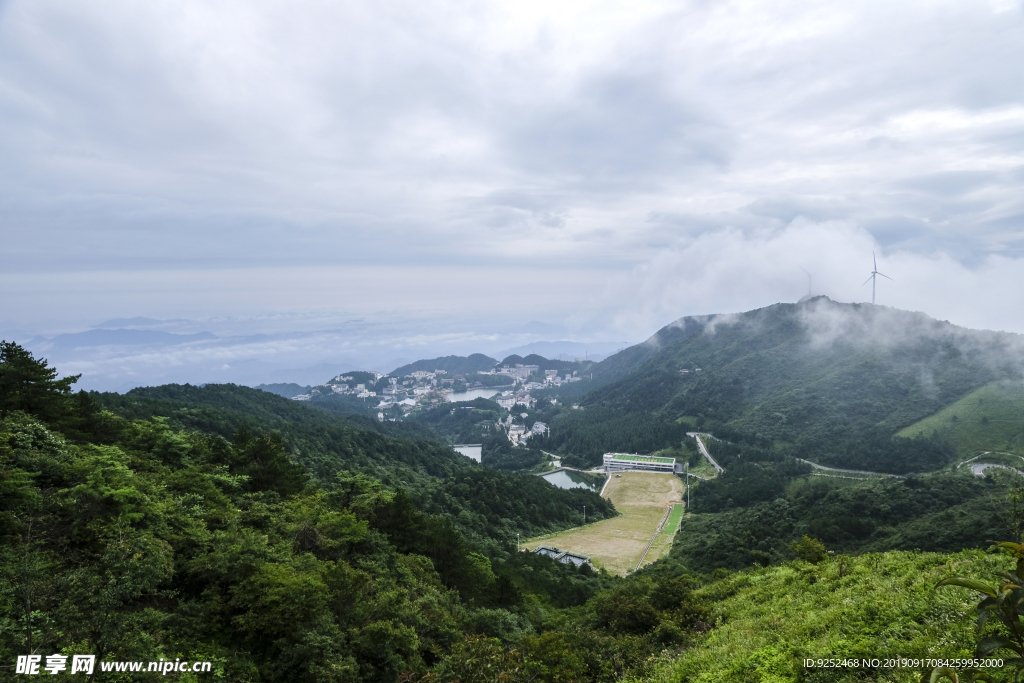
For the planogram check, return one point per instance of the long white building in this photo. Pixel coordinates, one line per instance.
(625, 462)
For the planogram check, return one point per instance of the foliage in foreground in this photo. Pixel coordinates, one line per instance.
(872, 606)
(136, 540)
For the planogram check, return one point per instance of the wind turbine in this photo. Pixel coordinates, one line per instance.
(808, 284)
(872, 278)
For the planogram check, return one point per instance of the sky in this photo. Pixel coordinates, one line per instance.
(450, 172)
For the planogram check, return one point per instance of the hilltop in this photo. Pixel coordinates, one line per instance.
(828, 381)
(454, 365)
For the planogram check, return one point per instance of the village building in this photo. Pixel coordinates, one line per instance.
(563, 556)
(624, 462)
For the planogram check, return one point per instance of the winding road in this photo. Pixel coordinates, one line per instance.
(700, 444)
(978, 469)
(836, 469)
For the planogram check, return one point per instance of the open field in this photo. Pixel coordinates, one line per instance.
(617, 544)
(989, 419)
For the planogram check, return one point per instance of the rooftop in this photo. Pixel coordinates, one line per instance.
(640, 458)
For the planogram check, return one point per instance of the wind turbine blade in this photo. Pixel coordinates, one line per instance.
(869, 279)
(886, 277)
(874, 260)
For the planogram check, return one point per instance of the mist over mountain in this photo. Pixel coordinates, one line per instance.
(116, 337)
(819, 379)
(302, 348)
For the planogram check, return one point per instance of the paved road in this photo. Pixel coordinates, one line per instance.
(978, 469)
(700, 444)
(835, 469)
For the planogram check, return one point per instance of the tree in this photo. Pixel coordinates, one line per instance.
(1003, 604)
(32, 386)
(809, 549)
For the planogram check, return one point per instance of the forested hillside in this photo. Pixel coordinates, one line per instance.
(236, 531)
(454, 365)
(826, 381)
(282, 543)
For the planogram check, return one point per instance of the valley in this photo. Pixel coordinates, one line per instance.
(618, 544)
(837, 453)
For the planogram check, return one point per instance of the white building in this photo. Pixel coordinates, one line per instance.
(563, 556)
(625, 462)
(517, 433)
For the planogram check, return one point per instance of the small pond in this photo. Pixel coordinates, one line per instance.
(566, 479)
(469, 451)
(475, 394)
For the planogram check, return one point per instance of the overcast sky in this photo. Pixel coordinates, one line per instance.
(605, 166)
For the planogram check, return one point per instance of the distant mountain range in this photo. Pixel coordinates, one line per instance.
(456, 365)
(116, 337)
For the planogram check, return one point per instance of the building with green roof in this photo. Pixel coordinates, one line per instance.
(626, 462)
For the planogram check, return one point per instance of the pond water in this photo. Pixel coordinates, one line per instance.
(469, 451)
(476, 393)
(567, 479)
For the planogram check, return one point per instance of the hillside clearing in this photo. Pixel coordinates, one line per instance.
(988, 419)
(618, 544)
(876, 606)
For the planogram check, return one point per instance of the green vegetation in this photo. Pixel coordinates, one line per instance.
(942, 512)
(672, 525)
(309, 542)
(999, 615)
(288, 390)
(462, 422)
(453, 365)
(499, 453)
(201, 534)
(393, 452)
(583, 436)
(828, 382)
(873, 606)
(988, 419)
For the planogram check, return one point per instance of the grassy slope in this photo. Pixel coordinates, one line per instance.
(876, 605)
(988, 419)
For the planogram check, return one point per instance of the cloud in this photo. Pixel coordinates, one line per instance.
(732, 270)
(251, 158)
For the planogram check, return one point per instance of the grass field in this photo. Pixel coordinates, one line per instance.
(617, 544)
(989, 419)
(673, 520)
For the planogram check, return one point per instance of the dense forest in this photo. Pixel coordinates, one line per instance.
(233, 530)
(290, 542)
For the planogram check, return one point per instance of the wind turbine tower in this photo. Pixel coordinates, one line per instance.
(809, 282)
(875, 273)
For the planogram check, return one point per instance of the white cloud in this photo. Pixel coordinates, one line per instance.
(408, 158)
(731, 271)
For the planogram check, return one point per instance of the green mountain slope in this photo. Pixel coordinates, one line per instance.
(322, 442)
(827, 381)
(988, 419)
(877, 606)
(455, 365)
